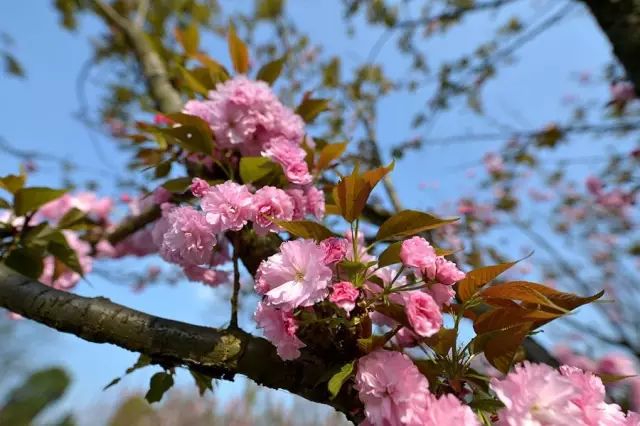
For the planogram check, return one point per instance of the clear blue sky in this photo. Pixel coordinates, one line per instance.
(38, 113)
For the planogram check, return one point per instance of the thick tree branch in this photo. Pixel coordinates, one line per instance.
(620, 21)
(217, 353)
(155, 73)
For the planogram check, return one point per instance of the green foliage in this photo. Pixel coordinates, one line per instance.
(306, 229)
(238, 51)
(160, 383)
(309, 108)
(337, 380)
(28, 200)
(270, 72)
(37, 393)
(410, 222)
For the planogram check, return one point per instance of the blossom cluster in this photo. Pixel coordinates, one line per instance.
(304, 273)
(195, 238)
(246, 116)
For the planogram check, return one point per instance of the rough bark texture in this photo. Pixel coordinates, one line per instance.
(620, 21)
(217, 353)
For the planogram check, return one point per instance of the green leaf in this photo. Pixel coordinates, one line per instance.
(477, 278)
(27, 261)
(60, 249)
(306, 229)
(608, 379)
(238, 51)
(71, 218)
(503, 347)
(270, 72)
(255, 168)
(12, 183)
(390, 255)
(27, 200)
(192, 81)
(486, 404)
(189, 38)
(33, 396)
(269, 9)
(177, 185)
(338, 379)
(193, 134)
(329, 153)
(143, 361)
(4, 204)
(159, 384)
(410, 222)
(203, 382)
(442, 341)
(310, 108)
(351, 195)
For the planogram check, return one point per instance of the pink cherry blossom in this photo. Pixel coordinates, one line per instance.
(493, 163)
(315, 202)
(189, 239)
(280, 329)
(617, 365)
(295, 276)
(334, 249)
(344, 294)
(442, 294)
(246, 115)
(423, 313)
(199, 187)
(416, 252)
(567, 356)
(271, 203)
(392, 389)
(536, 394)
(622, 91)
(291, 156)
(210, 277)
(299, 202)
(228, 206)
(590, 399)
(448, 410)
(447, 272)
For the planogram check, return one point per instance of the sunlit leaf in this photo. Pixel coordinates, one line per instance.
(27, 200)
(503, 318)
(12, 183)
(477, 278)
(306, 229)
(337, 380)
(189, 38)
(374, 176)
(177, 185)
(351, 195)
(238, 51)
(503, 347)
(410, 222)
(309, 109)
(329, 153)
(255, 168)
(270, 72)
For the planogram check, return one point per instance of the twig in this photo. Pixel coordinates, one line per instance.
(233, 323)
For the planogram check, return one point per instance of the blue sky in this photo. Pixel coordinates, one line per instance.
(39, 113)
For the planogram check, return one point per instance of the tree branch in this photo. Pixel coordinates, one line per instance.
(216, 353)
(155, 73)
(620, 21)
